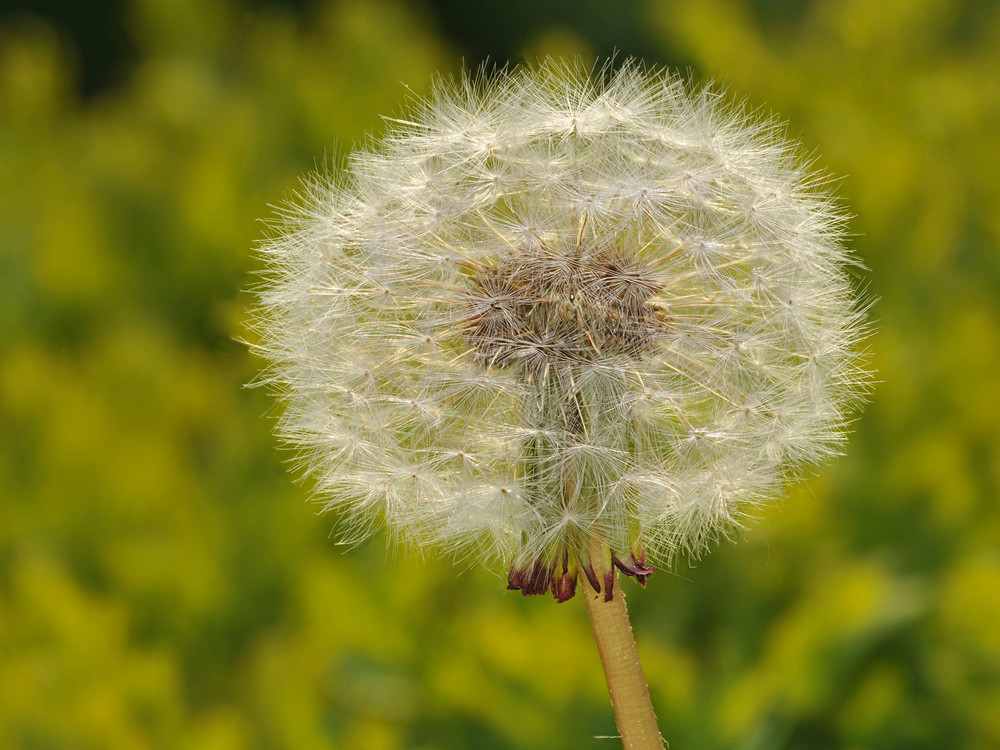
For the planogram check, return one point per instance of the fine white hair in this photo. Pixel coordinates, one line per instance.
(552, 306)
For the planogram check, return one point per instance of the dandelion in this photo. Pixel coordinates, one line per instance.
(566, 325)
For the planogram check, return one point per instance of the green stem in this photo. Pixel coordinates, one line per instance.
(622, 669)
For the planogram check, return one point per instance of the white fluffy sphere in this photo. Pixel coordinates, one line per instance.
(547, 315)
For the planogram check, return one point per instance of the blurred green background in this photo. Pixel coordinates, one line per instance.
(164, 584)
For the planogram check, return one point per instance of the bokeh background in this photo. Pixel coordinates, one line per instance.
(164, 583)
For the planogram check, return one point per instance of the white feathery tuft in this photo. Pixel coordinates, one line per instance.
(550, 308)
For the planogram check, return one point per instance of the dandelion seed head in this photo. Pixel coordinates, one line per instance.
(550, 308)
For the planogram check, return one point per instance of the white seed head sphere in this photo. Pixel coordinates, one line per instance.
(549, 314)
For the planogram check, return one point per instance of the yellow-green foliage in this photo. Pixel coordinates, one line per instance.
(164, 585)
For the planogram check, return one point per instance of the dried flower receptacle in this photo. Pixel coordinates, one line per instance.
(547, 310)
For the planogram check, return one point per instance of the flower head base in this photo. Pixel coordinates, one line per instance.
(550, 319)
(539, 310)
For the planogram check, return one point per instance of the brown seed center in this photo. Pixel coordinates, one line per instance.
(537, 309)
